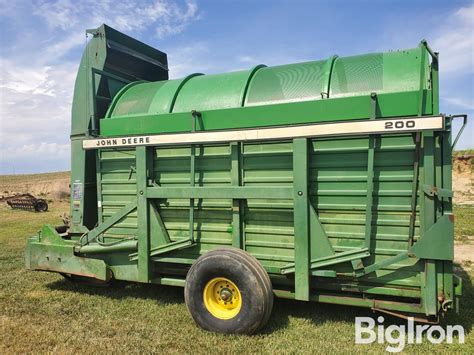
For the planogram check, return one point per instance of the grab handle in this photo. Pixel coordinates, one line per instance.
(464, 123)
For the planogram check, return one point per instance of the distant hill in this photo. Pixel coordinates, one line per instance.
(55, 186)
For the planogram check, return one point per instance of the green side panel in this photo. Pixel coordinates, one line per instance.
(269, 232)
(118, 186)
(337, 191)
(286, 83)
(212, 217)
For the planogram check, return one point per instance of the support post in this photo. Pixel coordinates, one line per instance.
(358, 264)
(429, 288)
(192, 175)
(370, 175)
(428, 219)
(301, 218)
(144, 169)
(428, 179)
(237, 235)
(448, 287)
(414, 191)
(98, 172)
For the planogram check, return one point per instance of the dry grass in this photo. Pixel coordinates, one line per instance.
(21, 179)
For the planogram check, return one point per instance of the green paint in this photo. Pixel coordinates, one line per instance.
(143, 231)
(301, 218)
(437, 242)
(339, 213)
(49, 252)
(320, 245)
(236, 172)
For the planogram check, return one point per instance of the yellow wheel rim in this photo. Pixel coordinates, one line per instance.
(222, 298)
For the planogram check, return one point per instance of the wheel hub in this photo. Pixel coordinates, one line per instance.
(226, 295)
(222, 298)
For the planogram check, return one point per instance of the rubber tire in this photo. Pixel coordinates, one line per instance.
(249, 276)
(41, 205)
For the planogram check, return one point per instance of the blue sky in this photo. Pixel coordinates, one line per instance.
(41, 43)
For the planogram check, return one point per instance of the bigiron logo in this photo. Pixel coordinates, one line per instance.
(397, 336)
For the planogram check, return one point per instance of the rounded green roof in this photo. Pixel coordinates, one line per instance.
(335, 77)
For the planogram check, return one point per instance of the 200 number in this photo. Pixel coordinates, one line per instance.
(399, 124)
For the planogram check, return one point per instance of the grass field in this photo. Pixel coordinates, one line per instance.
(42, 312)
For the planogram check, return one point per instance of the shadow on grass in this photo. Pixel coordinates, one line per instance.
(466, 304)
(124, 290)
(283, 309)
(319, 313)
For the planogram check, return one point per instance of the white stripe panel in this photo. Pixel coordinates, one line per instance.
(314, 130)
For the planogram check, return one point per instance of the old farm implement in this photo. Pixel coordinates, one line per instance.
(325, 181)
(25, 202)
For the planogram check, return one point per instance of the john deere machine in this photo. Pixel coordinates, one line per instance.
(325, 181)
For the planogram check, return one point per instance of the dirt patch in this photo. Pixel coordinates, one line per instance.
(463, 253)
(462, 179)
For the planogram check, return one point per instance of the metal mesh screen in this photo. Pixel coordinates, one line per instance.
(353, 75)
(137, 99)
(212, 92)
(286, 83)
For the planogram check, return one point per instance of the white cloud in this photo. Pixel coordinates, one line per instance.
(455, 42)
(37, 82)
(186, 60)
(247, 59)
(451, 33)
(35, 103)
(167, 17)
(466, 104)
